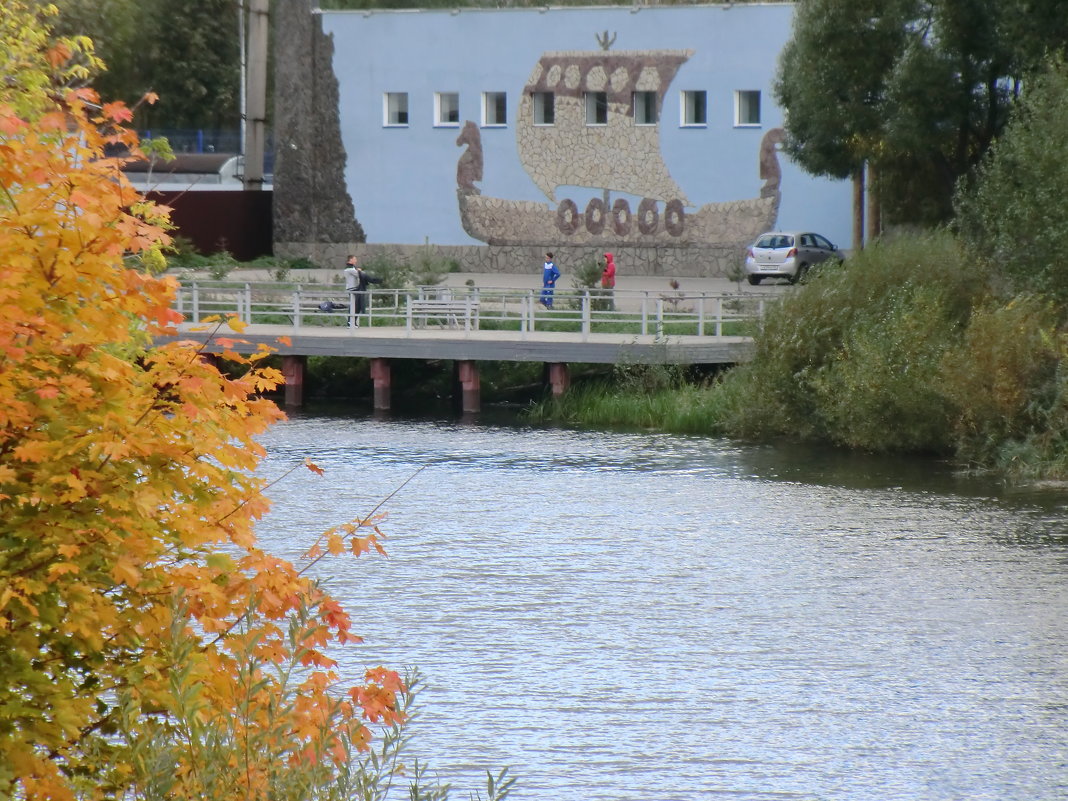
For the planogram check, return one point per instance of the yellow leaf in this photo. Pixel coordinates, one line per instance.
(124, 571)
(236, 324)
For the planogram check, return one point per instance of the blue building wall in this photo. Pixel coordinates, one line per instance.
(403, 180)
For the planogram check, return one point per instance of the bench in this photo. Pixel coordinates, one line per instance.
(423, 311)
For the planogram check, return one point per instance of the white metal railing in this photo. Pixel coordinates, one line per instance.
(581, 311)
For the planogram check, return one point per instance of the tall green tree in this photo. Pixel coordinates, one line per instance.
(118, 30)
(833, 79)
(1015, 213)
(917, 88)
(188, 53)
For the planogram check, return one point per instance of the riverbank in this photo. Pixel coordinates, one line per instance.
(907, 348)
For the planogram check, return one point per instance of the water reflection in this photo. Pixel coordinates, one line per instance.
(642, 617)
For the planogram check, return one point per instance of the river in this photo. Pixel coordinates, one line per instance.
(649, 617)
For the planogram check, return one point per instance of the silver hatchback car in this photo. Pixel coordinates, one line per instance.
(787, 254)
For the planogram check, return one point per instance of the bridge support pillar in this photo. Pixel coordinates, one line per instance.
(559, 378)
(470, 386)
(380, 374)
(293, 372)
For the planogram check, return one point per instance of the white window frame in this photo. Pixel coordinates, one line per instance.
(595, 102)
(645, 103)
(744, 101)
(688, 108)
(490, 106)
(538, 102)
(444, 102)
(391, 111)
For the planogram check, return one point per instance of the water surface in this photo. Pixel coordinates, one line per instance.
(647, 617)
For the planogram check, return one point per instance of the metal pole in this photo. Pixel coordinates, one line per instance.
(242, 49)
(255, 132)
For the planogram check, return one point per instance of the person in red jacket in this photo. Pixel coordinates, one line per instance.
(608, 279)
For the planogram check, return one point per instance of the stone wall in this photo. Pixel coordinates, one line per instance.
(711, 262)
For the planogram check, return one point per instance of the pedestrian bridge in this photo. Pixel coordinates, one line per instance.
(472, 325)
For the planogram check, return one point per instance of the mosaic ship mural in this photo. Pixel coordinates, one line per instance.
(617, 156)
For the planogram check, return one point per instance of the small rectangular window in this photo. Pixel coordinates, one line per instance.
(447, 108)
(494, 108)
(695, 107)
(645, 108)
(596, 108)
(396, 108)
(544, 108)
(747, 107)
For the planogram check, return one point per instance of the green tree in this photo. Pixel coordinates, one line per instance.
(1015, 213)
(833, 81)
(188, 53)
(118, 30)
(918, 89)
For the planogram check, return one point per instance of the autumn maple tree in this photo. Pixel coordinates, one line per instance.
(148, 647)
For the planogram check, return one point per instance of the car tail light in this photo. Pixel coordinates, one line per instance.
(792, 253)
(749, 253)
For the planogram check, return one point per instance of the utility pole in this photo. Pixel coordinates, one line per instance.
(255, 118)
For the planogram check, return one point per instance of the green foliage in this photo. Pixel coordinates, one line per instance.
(853, 357)
(427, 268)
(1006, 378)
(185, 52)
(303, 263)
(918, 90)
(682, 409)
(391, 274)
(1015, 214)
(587, 274)
(832, 79)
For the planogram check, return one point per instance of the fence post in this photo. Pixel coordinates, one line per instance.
(660, 318)
(586, 312)
(196, 302)
(701, 315)
(248, 303)
(296, 307)
(645, 313)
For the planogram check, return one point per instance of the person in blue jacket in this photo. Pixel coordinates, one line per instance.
(549, 276)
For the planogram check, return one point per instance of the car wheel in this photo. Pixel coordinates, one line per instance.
(802, 271)
(754, 279)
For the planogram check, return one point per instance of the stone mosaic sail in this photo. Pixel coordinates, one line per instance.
(613, 154)
(616, 155)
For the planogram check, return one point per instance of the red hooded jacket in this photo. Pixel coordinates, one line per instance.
(608, 276)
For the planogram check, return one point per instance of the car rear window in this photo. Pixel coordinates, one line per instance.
(775, 241)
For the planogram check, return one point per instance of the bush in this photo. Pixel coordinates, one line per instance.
(853, 357)
(1005, 378)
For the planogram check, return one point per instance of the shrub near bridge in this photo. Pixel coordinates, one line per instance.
(855, 357)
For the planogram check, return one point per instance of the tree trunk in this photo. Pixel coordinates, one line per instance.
(875, 209)
(858, 209)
